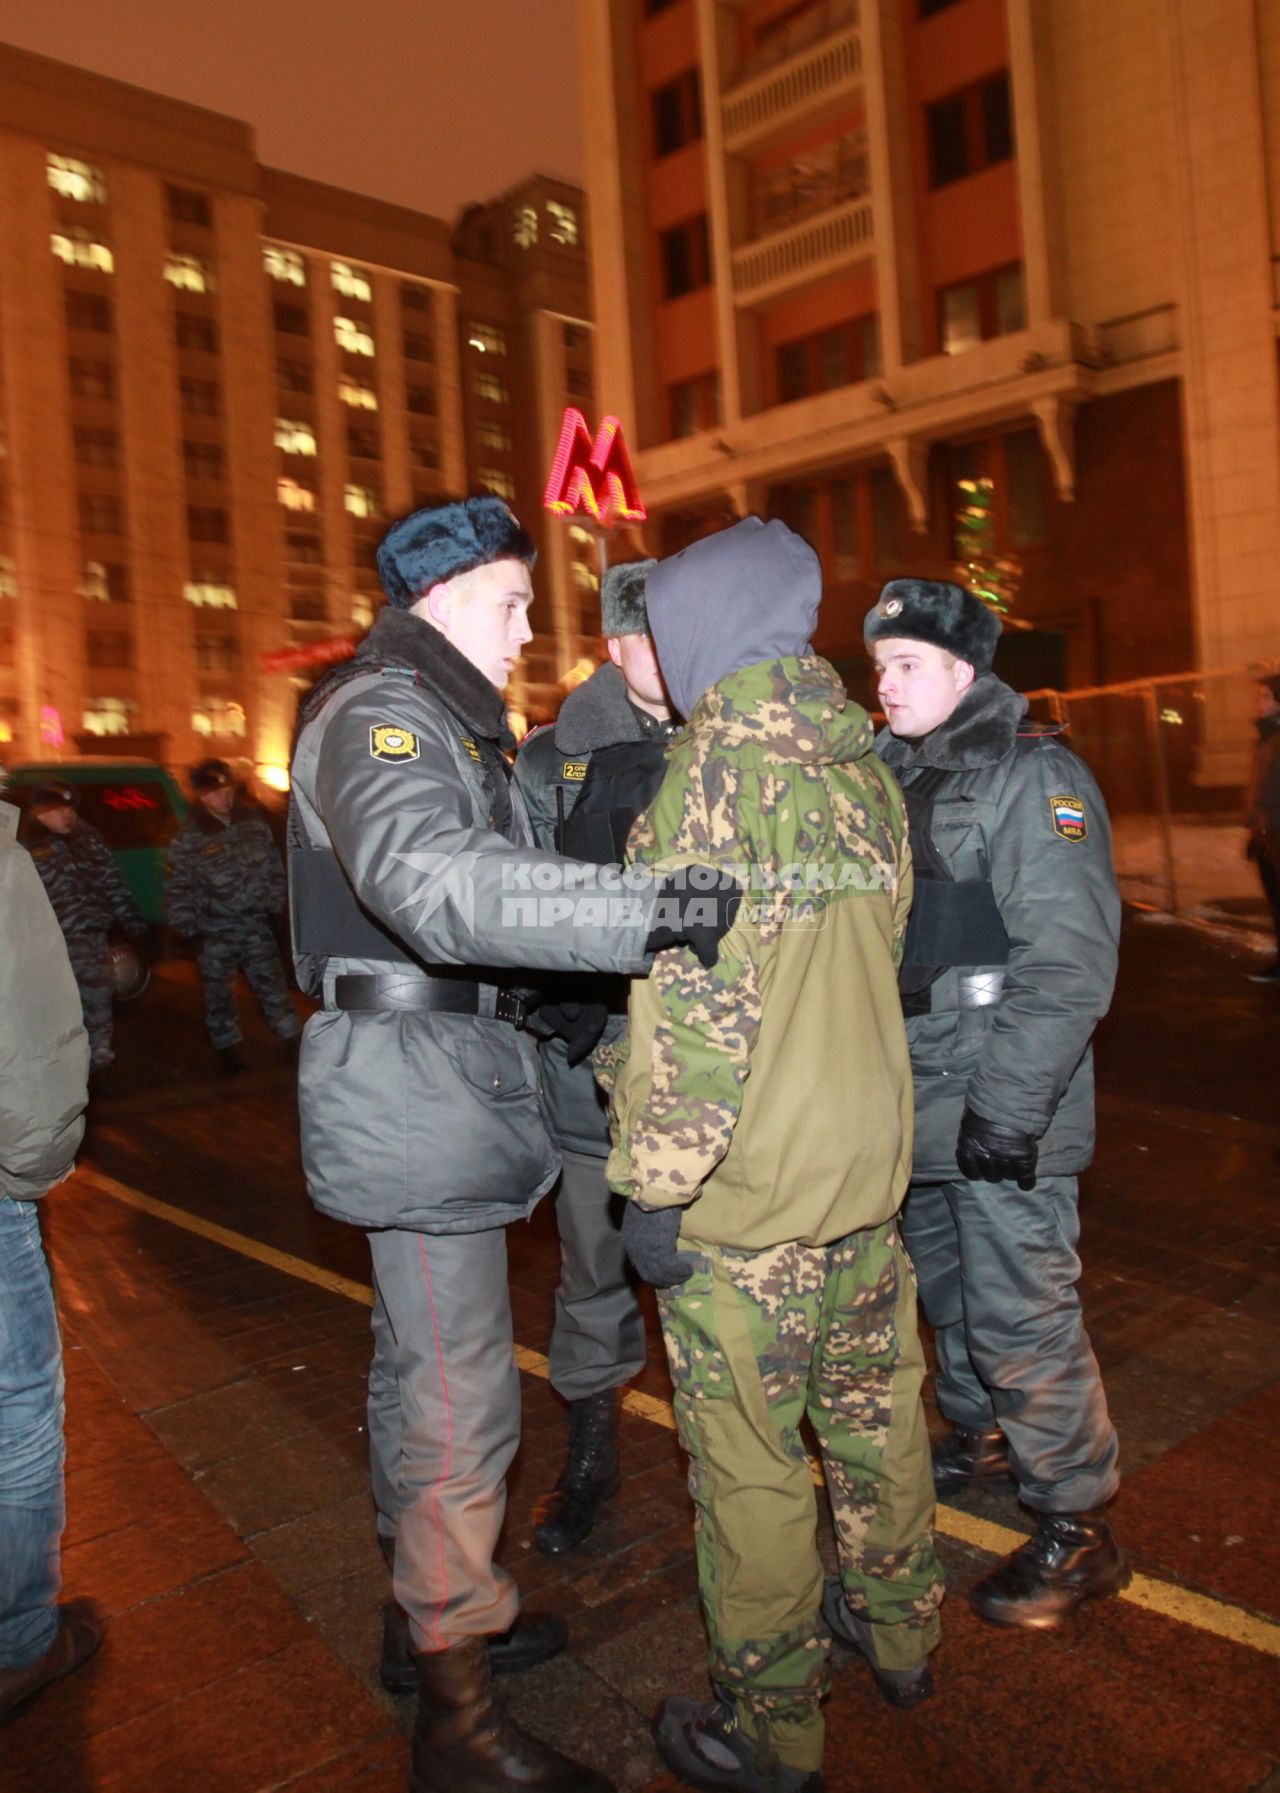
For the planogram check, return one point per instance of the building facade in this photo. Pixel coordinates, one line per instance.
(218, 383)
(958, 287)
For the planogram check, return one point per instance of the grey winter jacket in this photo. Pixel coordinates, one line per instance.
(433, 1121)
(44, 1050)
(1006, 812)
(80, 874)
(551, 770)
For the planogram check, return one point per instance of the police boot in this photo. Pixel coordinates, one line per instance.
(899, 1686)
(534, 1638)
(231, 1062)
(589, 1477)
(1071, 1557)
(463, 1741)
(964, 1457)
(703, 1743)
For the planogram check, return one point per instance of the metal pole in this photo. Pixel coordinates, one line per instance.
(1156, 748)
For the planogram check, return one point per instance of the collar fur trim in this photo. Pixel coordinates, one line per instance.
(398, 638)
(980, 731)
(597, 714)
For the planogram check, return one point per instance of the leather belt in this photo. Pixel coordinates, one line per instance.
(974, 990)
(431, 995)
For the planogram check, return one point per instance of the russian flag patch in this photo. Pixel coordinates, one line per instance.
(1068, 818)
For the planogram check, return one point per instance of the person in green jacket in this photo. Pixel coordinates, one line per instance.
(1009, 965)
(762, 1136)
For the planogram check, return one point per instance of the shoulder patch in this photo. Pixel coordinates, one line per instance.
(1068, 818)
(388, 741)
(574, 771)
(472, 750)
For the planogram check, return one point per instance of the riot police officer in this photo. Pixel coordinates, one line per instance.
(1009, 964)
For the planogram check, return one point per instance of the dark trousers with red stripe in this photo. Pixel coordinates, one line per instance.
(444, 1424)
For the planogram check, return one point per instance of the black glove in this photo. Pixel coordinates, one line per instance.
(989, 1153)
(578, 1024)
(696, 907)
(649, 1240)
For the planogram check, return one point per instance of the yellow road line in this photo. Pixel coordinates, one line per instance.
(1171, 1601)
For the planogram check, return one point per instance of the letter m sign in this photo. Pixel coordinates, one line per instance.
(595, 477)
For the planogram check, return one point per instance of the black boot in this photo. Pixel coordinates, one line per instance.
(899, 1686)
(702, 1742)
(535, 1637)
(589, 1477)
(463, 1741)
(964, 1457)
(231, 1062)
(1071, 1557)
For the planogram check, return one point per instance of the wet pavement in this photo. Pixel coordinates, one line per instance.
(217, 1342)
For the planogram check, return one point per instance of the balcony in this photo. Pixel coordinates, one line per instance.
(808, 251)
(820, 67)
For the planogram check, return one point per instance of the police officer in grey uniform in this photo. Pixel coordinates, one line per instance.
(1009, 965)
(225, 882)
(421, 907)
(585, 780)
(89, 898)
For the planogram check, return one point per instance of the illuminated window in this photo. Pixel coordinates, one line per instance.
(489, 388)
(524, 226)
(564, 224)
(350, 284)
(103, 583)
(80, 181)
(207, 524)
(361, 609)
(218, 716)
(358, 396)
(349, 336)
(81, 249)
(284, 265)
(294, 438)
(991, 305)
(209, 594)
(961, 321)
(92, 379)
(362, 501)
(294, 496)
(8, 719)
(498, 481)
(189, 273)
(486, 339)
(88, 311)
(109, 716)
(8, 577)
(585, 576)
(494, 436)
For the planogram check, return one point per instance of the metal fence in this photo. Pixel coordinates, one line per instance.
(1172, 756)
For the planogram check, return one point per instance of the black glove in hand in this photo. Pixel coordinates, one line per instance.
(649, 1240)
(696, 908)
(578, 1024)
(989, 1153)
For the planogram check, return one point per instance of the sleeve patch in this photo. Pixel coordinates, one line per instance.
(1068, 818)
(574, 771)
(388, 741)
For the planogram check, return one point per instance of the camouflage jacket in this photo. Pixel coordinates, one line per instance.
(86, 890)
(773, 1093)
(220, 872)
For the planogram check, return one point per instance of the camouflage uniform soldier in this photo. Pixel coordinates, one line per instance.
(226, 878)
(762, 1119)
(89, 897)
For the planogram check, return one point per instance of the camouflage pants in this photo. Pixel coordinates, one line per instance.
(91, 963)
(755, 1341)
(251, 948)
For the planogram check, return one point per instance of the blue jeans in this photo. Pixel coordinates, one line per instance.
(31, 1450)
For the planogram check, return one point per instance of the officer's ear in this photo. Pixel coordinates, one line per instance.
(435, 604)
(964, 676)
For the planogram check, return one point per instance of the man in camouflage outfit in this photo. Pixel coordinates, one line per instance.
(89, 897)
(226, 879)
(762, 1124)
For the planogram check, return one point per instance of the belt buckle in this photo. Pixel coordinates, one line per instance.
(508, 1006)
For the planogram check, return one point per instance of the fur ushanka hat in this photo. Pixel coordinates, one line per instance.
(931, 610)
(430, 546)
(622, 605)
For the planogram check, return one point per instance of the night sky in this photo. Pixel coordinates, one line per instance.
(430, 103)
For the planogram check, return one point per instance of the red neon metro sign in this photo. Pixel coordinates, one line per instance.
(596, 477)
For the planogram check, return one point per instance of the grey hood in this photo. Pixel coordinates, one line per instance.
(747, 594)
